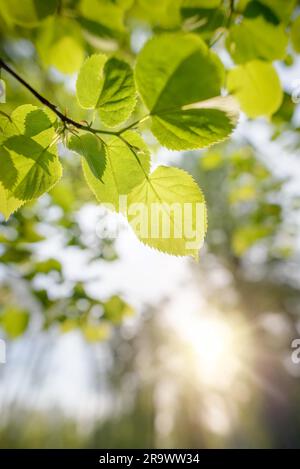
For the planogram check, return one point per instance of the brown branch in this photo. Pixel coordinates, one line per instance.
(52, 106)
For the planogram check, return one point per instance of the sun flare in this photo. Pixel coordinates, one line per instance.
(214, 349)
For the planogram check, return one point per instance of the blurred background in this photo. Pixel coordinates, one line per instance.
(111, 344)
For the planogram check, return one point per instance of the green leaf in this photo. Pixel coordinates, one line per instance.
(14, 321)
(174, 71)
(295, 34)
(107, 85)
(257, 87)
(91, 148)
(8, 203)
(256, 39)
(59, 45)
(117, 99)
(254, 8)
(115, 169)
(198, 124)
(204, 21)
(66, 55)
(167, 212)
(282, 8)
(159, 13)
(28, 13)
(170, 65)
(105, 12)
(30, 165)
(90, 80)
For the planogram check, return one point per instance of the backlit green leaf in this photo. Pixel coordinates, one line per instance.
(204, 21)
(115, 169)
(106, 85)
(174, 71)
(256, 38)
(27, 13)
(163, 13)
(90, 81)
(257, 87)
(167, 212)
(91, 148)
(177, 69)
(117, 98)
(199, 124)
(30, 165)
(8, 203)
(282, 8)
(59, 45)
(105, 12)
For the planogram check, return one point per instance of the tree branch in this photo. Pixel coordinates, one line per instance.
(52, 106)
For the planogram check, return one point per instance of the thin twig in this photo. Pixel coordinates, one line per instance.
(135, 124)
(43, 100)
